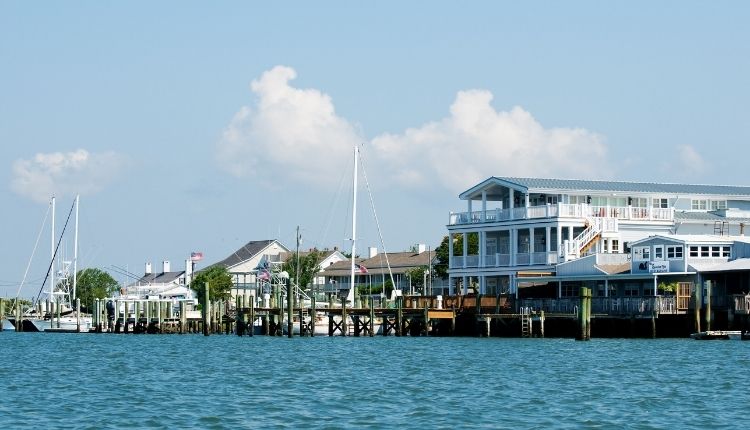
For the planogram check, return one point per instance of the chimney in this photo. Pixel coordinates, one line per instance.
(165, 266)
(148, 268)
(421, 247)
(372, 251)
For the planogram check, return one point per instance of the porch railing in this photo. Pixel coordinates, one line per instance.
(563, 210)
(607, 305)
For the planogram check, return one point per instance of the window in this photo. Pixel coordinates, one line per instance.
(570, 290)
(660, 203)
(658, 252)
(727, 251)
(698, 205)
(641, 253)
(694, 251)
(639, 202)
(632, 290)
(718, 204)
(575, 200)
(715, 251)
(674, 252)
(615, 246)
(704, 251)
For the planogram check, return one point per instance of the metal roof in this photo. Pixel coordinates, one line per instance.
(248, 251)
(584, 185)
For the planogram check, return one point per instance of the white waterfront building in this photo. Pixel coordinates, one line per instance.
(525, 232)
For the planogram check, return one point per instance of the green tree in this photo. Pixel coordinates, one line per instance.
(219, 281)
(94, 284)
(308, 267)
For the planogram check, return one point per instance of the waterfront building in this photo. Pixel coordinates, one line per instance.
(165, 284)
(545, 238)
(243, 263)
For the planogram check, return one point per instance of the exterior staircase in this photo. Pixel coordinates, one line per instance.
(589, 236)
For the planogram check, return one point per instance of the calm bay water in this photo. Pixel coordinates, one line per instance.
(188, 381)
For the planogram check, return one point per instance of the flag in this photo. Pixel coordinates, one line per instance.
(196, 256)
(263, 274)
(360, 268)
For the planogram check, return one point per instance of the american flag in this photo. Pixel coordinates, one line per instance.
(263, 274)
(360, 268)
(196, 256)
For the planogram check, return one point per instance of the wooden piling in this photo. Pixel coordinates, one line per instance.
(372, 317)
(584, 315)
(313, 315)
(289, 309)
(708, 305)
(697, 296)
(399, 315)
(344, 328)
(206, 306)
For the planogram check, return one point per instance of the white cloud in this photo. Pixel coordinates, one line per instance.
(296, 133)
(291, 132)
(63, 174)
(476, 142)
(691, 160)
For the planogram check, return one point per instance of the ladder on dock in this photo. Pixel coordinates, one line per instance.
(525, 322)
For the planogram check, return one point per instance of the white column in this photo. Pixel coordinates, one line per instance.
(531, 245)
(450, 250)
(464, 286)
(482, 284)
(526, 199)
(482, 247)
(606, 287)
(466, 247)
(559, 238)
(468, 208)
(513, 248)
(559, 289)
(511, 203)
(547, 242)
(484, 206)
(570, 233)
(655, 285)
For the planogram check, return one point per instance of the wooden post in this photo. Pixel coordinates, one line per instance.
(399, 314)
(541, 323)
(251, 323)
(698, 306)
(588, 313)
(206, 307)
(289, 308)
(2, 313)
(653, 324)
(372, 317)
(313, 314)
(19, 317)
(58, 314)
(344, 328)
(708, 305)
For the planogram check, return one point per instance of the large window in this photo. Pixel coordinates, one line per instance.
(641, 253)
(674, 252)
(660, 203)
(639, 202)
(718, 204)
(698, 205)
(702, 205)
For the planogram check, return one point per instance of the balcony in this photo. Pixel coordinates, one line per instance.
(561, 210)
(504, 260)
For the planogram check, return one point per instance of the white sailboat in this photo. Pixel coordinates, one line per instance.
(62, 314)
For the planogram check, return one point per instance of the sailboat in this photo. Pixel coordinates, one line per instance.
(61, 314)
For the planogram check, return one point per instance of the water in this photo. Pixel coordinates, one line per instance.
(188, 381)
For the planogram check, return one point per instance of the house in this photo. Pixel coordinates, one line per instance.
(326, 258)
(242, 264)
(551, 235)
(164, 284)
(374, 270)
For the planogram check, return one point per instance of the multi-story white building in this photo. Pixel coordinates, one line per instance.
(520, 232)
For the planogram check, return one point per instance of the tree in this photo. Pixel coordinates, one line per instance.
(219, 281)
(308, 267)
(92, 284)
(416, 277)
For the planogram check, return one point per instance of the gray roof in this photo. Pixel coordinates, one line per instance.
(706, 216)
(248, 251)
(544, 184)
(158, 278)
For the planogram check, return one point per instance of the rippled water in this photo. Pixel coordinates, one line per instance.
(188, 381)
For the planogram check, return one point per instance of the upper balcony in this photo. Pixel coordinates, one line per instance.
(562, 210)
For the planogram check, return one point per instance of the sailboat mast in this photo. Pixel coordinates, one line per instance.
(75, 254)
(350, 296)
(52, 256)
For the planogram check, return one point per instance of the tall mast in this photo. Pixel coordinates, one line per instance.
(350, 296)
(75, 255)
(52, 256)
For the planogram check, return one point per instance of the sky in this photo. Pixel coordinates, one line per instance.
(193, 126)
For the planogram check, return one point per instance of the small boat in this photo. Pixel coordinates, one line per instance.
(720, 335)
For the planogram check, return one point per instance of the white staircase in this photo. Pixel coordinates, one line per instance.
(595, 226)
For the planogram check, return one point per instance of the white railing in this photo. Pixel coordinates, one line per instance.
(564, 210)
(539, 258)
(457, 261)
(472, 261)
(606, 305)
(523, 259)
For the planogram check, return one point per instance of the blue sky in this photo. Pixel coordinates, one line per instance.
(189, 126)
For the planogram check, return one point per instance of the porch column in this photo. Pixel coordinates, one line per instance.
(570, 233)
(464, 286)
(484, 206)
(655, 285)
(511, 202)
(466, 247)
(450, 250)
(482, 284)
(482, 244)
(468, 209)
(559, 239)
(531, 245)
(547, 242)
(451, 279)
(526, 199)
(559, 289)
(606, 287)
(513, 246)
